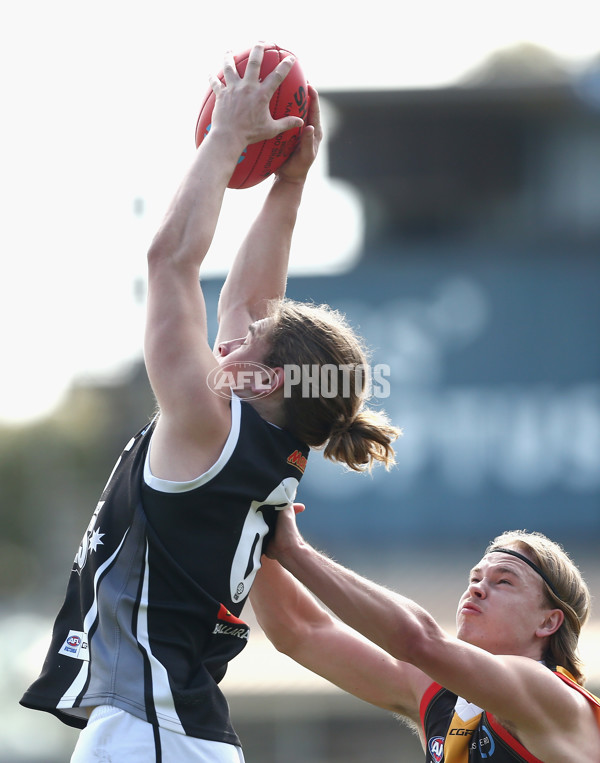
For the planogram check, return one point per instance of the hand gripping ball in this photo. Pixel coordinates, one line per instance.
(259, 160)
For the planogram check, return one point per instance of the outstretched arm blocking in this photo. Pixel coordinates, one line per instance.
(518, 690)
(298, 626)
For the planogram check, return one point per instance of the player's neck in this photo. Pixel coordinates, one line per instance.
(269, 408)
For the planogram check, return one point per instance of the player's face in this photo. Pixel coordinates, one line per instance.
(503, 607)
(251, 347)
(243, 361)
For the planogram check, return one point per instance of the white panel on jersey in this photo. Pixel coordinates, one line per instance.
(161, 689)
(246, 561)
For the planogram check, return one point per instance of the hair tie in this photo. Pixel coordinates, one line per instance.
(341, 427)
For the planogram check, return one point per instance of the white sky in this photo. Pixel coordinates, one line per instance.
(99, 108)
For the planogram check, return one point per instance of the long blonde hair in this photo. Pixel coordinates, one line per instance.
(572, 594)
(318, 336)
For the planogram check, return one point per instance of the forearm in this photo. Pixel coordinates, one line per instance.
(389, 620)
(189, 225)
(298, 626)
(259, 272)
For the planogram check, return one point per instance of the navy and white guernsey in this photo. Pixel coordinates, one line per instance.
(151, 614)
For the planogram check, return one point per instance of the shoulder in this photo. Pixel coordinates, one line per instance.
(183, 448)
(563, 717)
(591, 699)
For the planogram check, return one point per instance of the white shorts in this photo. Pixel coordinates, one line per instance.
(113, 735)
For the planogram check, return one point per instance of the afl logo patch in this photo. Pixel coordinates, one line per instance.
(75, 645)
(436, 748)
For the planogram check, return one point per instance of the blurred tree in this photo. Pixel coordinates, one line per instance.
(51, 475)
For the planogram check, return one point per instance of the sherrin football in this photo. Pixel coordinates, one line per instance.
(259, 160)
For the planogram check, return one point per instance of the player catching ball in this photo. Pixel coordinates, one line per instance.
(152, 611)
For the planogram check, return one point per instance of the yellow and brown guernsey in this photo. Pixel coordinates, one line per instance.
(456, 731)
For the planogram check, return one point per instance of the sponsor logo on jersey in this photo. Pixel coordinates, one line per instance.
(238, 592)
(487, 745)
(76, 646)
(436, 748)
(298, 460)
(230, 625)
(227, 616)
(221, 629)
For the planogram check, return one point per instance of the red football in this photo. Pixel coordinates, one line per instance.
(259, 160)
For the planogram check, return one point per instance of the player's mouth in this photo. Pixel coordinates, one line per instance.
(469, 608)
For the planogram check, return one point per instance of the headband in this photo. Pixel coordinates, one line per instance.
(531, 564)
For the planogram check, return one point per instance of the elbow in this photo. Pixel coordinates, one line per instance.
(162, 245)
(285, 643)
(288, 634)
(287, 637)
(418, 642)
(158, 253)
(175, 247)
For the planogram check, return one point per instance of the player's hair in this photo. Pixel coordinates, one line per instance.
(313, 336)
(572, 594)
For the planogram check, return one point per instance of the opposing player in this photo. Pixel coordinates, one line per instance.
(508, 688)
(152, 612)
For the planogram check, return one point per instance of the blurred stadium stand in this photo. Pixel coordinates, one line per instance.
(478, 289)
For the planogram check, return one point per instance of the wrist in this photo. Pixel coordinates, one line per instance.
(227, 141)
(289, 181)
(291, 555)
(287, 193)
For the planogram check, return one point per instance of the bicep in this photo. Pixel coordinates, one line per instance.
(345, 658)
(177, 354)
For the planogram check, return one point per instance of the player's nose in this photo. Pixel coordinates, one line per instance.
(224, 348)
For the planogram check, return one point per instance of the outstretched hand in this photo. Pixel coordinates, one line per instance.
(242, 102)
(287, 534)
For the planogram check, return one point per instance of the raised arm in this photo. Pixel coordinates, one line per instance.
(301, 628)
(517, 689)
(194, 422)
(259, 272)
